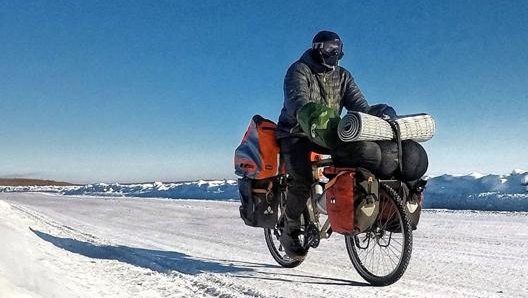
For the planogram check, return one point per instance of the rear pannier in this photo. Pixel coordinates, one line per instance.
(259, 202)
(257, 156)
(257, 163)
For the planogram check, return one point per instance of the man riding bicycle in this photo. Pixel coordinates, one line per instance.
(315, 78)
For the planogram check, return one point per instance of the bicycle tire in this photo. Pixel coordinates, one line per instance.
(365, 259)
(276, 250)
(272, 236)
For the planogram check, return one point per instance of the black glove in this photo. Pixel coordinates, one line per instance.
(383, 111)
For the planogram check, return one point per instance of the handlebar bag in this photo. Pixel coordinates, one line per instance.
(319, 123)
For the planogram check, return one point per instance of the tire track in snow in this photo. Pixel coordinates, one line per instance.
(207, 285)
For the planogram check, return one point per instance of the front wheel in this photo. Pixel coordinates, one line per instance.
(382, 253)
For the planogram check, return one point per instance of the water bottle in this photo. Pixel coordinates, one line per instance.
(319, 197)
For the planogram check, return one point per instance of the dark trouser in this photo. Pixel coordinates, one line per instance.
(296, 155)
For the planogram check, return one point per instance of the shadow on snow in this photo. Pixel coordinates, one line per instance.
(156, 260)
(167, 261)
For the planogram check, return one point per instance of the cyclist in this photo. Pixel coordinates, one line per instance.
(315, 77)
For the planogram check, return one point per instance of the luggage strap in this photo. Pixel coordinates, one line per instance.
(396, 129)
(266, 191)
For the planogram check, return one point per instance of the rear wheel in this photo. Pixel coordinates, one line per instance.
(381, 254)
(277, 251)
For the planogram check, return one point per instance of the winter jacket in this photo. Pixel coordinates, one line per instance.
(308, 81)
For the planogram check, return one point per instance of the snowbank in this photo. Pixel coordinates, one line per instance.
(479, 192)
(469, 192)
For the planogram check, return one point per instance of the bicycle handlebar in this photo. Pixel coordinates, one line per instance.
(323, 162)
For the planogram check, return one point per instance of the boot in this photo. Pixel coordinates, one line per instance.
(290, 239)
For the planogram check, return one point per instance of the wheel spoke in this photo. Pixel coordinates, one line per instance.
(382, 254)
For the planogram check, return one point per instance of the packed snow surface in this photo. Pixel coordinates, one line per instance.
(63, 246)
(469, 192)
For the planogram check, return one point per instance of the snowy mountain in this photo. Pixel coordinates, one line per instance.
(469, 192)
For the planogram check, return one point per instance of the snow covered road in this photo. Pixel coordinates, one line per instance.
(61, 246)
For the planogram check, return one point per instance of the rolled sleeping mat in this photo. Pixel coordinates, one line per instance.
(419, 127)
(357, 126)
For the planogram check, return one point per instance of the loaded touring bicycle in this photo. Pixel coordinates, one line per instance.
(376, 216)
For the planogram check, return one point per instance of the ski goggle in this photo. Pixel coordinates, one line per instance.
(329, 48)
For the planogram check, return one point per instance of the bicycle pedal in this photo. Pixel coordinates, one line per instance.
(312, 236)
(314, 242)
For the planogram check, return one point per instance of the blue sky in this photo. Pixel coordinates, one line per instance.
(133, 91)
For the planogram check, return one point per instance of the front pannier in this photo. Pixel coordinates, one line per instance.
(340, 202)
(412, 194)
(352, 201)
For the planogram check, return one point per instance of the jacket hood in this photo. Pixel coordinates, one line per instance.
(316, 66)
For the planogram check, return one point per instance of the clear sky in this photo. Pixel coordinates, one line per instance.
(133, 91)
